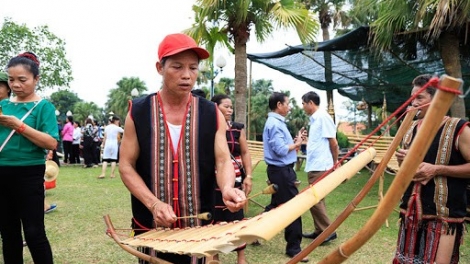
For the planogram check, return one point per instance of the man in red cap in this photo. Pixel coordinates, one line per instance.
(172, 143)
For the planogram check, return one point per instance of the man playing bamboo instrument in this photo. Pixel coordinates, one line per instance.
(173, 143)
(433, 207)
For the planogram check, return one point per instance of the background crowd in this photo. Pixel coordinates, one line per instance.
(84, 142)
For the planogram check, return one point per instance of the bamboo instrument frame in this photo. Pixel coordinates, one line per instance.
(360, 196)
(440, 104)
(112, 233)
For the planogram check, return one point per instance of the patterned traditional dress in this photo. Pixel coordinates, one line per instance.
(233, 135)
(221, 215)
(427, 211)
(184, 180)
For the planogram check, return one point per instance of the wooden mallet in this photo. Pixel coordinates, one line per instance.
(201, 216)
(272, 188)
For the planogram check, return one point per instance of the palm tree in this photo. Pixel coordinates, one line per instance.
(234, 20)
(228, 85)
(118, 98)
(329, 11)
(82, 110)
(259, 108)
(297, 118)
(438, 23)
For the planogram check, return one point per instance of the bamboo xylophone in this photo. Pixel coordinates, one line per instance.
(225, 237)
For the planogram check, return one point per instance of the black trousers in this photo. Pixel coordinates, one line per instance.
(75, 156)
(88, 151)
(96, 152)
(22, 203)
(285, 179)
(67, 151)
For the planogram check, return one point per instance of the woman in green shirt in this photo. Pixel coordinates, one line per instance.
(27, 128)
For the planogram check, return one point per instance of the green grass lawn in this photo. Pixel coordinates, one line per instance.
(78, 234)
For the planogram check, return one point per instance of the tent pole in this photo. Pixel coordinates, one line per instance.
(249, 103)
(331, 108)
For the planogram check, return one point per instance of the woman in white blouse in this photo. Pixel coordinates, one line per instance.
(112, 134)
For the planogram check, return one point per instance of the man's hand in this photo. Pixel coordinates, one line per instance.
(233, 198)
(247, 185)
(302, 133)
(50, 155)
(163, 214)
(400, 154)
(426, 171)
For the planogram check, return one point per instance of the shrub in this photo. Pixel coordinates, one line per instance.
(343, 141)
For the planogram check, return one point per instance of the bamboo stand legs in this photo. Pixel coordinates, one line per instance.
(380, 195)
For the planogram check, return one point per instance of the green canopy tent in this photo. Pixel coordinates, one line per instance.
(360, 73)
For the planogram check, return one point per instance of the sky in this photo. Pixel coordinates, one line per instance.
(109, 40)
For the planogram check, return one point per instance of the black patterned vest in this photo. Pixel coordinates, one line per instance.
(195, 162)
(442, 197)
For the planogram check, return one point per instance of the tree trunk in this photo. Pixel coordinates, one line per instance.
(450, 54)
(324, 18)
(240, 80)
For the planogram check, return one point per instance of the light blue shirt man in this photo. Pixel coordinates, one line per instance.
(276, 141)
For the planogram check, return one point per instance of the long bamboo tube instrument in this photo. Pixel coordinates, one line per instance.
(360, 196)
(439, 106)
(277, 219)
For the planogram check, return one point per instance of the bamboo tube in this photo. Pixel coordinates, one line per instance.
(276, 220)
(431, 123)
(360, 196)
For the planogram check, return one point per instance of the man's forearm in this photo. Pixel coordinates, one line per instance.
(225, 175)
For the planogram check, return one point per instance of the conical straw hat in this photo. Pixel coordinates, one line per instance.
(52, 171)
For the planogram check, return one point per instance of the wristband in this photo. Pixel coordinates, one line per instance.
(21, 129)
(249, 176)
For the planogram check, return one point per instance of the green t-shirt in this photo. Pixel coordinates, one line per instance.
(19, 151)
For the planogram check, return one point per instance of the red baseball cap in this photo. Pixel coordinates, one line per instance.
(175, 43)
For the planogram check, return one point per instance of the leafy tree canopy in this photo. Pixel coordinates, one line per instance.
(64, 100)
(55, 68)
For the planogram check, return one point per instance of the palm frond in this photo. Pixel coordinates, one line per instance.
(293, 16)
(433, 16)
(394, 16)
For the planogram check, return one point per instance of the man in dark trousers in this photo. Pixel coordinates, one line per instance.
(280, 154)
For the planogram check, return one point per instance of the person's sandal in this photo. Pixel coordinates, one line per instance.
(51, 208)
